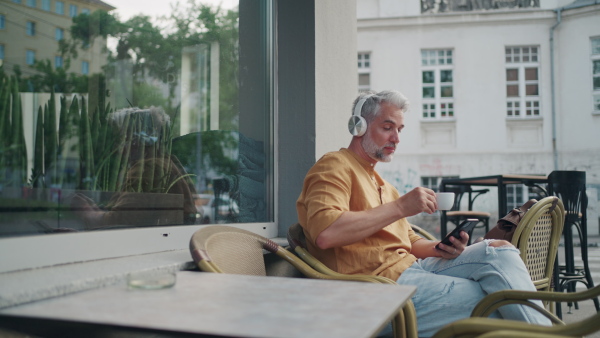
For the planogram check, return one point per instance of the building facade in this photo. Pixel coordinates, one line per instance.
(30, 30)
(496, 87)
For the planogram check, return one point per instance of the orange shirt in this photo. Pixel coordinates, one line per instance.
(342, 181)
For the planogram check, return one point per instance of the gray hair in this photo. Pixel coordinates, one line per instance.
(373, 102)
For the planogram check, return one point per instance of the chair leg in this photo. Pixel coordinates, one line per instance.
(584, 257)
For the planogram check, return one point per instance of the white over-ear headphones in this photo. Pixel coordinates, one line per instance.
(357, 125)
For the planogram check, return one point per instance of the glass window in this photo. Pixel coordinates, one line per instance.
(46, 5)
(2, 21)
(437, 83)
(85, 11)
(1, 52)
(32, 3)
(59, 34)
(433, 182)
(72, 10)
(59, 7)
(364, 60)
(522, 81)
(148, 134)
(364, 75)
(30, 57)
(30, 28)
(595, 42)
(16, 1)
(595, 46)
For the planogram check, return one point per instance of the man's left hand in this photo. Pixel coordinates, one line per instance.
(457, 247)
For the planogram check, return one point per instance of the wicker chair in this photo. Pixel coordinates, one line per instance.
(224, 249)
(537, 237)
(406, 319)
(488, 327)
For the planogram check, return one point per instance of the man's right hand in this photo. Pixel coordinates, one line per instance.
(416, 201)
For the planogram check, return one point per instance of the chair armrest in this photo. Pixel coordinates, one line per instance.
(476, 193)
(493, 301)
(474, 327)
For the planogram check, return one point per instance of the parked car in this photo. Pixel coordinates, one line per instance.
(206, 204)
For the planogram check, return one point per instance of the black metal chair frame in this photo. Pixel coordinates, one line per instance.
(461, 191)
(570, 187)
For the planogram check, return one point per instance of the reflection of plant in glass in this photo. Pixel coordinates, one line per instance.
(13, 160)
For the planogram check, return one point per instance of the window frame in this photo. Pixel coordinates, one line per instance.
(85, 67)
(58, 61)
(364, 70)
(46, 5)
(59, 7)
(523, 106)
(30, 54)
(438, 107)
(73, 9)
(30, 28)
(59, 34)
(95, 245)
(595, 60)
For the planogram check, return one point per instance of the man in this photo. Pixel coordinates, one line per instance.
(355, 223)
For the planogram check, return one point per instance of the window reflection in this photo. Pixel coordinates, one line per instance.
(143, 121)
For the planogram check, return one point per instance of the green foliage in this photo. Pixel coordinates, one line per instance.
(13, 155)
(83, 150)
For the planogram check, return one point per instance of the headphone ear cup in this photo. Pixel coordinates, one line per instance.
(357, 125)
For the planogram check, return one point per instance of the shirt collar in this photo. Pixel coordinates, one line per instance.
(369, 167)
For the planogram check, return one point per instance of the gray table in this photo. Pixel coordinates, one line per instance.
(231, 305)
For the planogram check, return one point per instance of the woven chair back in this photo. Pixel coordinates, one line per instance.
(537, 237)
(231, 250)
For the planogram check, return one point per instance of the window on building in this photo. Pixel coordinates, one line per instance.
(58, 62)
(59, 7)
(59, 34)
(433, 182)
(16, 1)
(30, 57)
(217, 145)
(2, 21)
(32, 3)
(72, 10)
(522, 81)
(364, 71)
(30, 28)
(1, 53)
(596, 73)
(46, 5)
(364, 60)
(85, 11)
(437, 83)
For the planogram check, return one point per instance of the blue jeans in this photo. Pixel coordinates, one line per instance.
(448, 290)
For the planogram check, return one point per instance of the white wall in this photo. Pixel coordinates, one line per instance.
(481, 141)
(336, 68)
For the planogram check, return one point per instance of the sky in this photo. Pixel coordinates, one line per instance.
(128, 8)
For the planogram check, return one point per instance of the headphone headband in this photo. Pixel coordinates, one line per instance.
(360, 104)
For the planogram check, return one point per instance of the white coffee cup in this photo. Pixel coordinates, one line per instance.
(445, 200)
